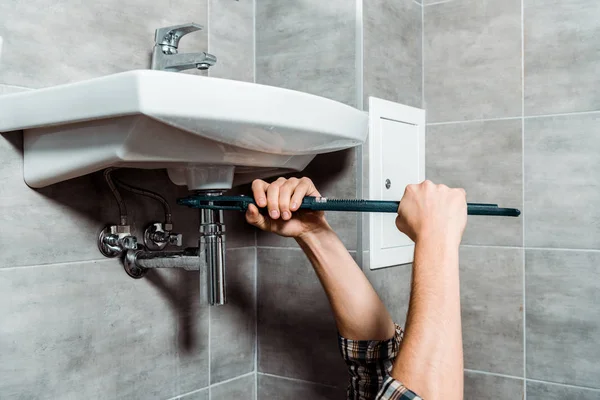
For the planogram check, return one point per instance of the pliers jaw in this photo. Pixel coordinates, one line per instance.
(235, 203)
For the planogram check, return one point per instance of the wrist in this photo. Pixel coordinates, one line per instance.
(315, 235)
(438, 239)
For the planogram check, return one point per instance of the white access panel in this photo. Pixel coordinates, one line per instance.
(396, 159)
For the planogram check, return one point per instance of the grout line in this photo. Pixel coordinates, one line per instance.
(62, 264)
(592, 389)
(235, 378)
(209, 49)
(423, 59)
(476, 371)
(254, 42)
(297, 380)
(474, 120)
(359, 57)
(416, 2)
(497, 247)
(562, 249)
(562, 114)
(255, 316)
(360, 95)
(532, 248)
(241, 248)
(180, 396)
(523, 259)
(436, 3)
(278, 248)
(515, 118)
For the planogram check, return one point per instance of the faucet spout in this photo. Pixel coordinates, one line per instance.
(181, 62)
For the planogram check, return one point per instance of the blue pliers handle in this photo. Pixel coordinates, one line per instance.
(241, 203)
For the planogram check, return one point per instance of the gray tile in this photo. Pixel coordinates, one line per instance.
(485, 158)
(393, 287)
(488, 387)
(561, 182)
(199, 395)
(233, 327)
(472, 60)
(492, 309)
(275, 388)
(74, 211)
(392, 51)
(334, 175)
(297, 336)
(89, 331)
(73, 40)
(232, 39)
(548, 391)
(307, 45)
(242, 388)
(563, 319)
(561, 56)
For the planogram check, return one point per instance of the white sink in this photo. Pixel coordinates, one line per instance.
(209, 133)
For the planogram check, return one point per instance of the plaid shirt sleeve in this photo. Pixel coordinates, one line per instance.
(369, 364)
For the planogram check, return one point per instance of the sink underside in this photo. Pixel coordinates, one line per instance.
(209, 133)
(59, 153)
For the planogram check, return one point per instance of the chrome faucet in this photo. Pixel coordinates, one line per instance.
(165, 56)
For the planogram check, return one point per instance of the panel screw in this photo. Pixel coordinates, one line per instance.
(388, 184)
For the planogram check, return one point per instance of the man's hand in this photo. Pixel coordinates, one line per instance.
(433, 211)
(282, 199)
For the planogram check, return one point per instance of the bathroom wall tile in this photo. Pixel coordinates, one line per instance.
(69, 214)
(484, 158)
(472, 60)
(392, 51)
(49, 42)
(242, 388)
(561, 56)
(492, 309)
(232, 39)
(334, 175)
(273, 387)
(74, 211)
(393, 287)
(297, 336)
(548, 391)
(561, 182)
(307, 45)
(233, 327)
(89, 331)
(488, 387)
(563, 320)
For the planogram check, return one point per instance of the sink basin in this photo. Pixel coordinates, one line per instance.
(209, 133)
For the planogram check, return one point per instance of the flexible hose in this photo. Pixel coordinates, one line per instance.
(148, 193)
(118, 198)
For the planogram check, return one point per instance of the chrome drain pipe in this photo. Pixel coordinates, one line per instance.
(212, 254)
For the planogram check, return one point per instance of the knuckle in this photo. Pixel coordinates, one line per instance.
(304, 179)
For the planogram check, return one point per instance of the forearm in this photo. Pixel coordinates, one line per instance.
(358, 311)
(430, 361)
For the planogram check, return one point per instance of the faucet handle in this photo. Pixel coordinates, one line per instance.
(170, 35)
